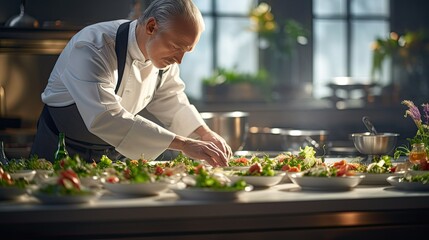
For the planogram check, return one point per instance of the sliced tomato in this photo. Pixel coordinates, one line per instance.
(255, 168)
(242, 160)
(341, 171)
(285, 168)
(69, 179)
(294, 169)
(339, 164)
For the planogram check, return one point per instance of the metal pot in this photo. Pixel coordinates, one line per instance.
(232, 126)
(370, 144)
(279, 139)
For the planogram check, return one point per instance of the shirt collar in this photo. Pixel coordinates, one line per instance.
(133, 48)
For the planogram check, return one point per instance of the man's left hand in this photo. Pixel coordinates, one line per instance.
(208, 135)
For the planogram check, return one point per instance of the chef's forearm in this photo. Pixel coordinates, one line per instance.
(202, 130)
(178, 143)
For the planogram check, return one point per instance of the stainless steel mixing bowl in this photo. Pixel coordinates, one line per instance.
(232, 126)
(382, 143)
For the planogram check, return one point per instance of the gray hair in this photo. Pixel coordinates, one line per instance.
(164, 10)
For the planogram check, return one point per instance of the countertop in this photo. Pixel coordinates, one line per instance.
(284, 210)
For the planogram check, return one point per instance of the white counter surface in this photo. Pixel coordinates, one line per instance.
(282, 210)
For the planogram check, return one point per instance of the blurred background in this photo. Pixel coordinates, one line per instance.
(314, 65)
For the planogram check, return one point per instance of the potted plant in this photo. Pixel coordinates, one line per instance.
(278, 43)
(230, 85)
(409, 54)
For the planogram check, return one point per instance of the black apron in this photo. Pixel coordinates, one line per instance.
(79, 141)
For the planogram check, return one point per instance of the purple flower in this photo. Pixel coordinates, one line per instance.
(426, 112)
(413, 112)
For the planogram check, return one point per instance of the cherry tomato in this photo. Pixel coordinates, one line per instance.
(127, 173)
(112, 179)
(198, 168)
(159, 171)
(168, 172)
(424, 165)
(7, 178)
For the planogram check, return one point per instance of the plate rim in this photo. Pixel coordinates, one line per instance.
(394, 181)
(66, 199)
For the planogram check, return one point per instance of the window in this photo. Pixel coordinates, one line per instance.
(225, 43)
(343, 32)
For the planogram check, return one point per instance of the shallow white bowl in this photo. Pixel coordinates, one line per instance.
(407, 186)
(260, 181)
(150, 188)
(378, 178)
(67, 199)
(26, 174)
(326, 183)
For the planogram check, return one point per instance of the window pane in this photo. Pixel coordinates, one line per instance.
(236, 45)
(234, 6)
(205, 6)
(198, 63)
(364, 34)
(329, 7)
(370, 7)
(329, 54)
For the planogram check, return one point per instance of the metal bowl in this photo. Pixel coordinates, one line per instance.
(280, 139)
(232, 126)
(382, 143)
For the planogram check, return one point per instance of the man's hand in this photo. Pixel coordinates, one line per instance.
(200, 150)
(208, 135)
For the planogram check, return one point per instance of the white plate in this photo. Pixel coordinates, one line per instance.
(378, 178)
(416, 172)
(260, 181)
(412, 186)
(26, 174)
(326, 183)
(11, 192)
(66, 199)
(41, 175)
(207, 194)
(91, 182)
(150, 188)
(236, 168)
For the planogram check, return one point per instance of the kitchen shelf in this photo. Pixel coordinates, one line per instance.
(34, 41)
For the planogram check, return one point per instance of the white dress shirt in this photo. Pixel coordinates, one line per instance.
(86, 74)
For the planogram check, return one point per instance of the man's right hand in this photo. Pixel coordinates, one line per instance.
(200, 150)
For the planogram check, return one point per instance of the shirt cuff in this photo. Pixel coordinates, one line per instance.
(186, 120)
(145, 140)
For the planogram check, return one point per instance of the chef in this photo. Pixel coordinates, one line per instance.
(111, 71)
